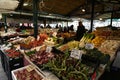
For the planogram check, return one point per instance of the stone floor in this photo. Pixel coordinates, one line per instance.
(2, 73)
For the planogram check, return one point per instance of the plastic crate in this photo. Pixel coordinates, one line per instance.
(15, 63)
(15, 78)
(2, 60)
(11, 64)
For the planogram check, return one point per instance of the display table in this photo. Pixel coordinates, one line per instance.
(47, 74)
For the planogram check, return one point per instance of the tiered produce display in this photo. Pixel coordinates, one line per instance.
(66, 34)
(66, 68)
(69, 46)
(12, 53)
(107, 33)
(40, 57)
(60, 62)
(107, 40)
(87, 37)
(54, 41)
(109, 47)
(31, 42)
(97, 41)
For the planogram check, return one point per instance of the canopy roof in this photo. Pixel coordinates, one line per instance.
(73, 8)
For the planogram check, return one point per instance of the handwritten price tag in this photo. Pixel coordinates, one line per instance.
(76, 54)
(89, 46)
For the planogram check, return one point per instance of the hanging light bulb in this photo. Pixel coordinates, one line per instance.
(25, 4)
(83, 10)
(100, 19)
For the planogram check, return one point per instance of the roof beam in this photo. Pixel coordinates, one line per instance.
(101, 12)
(109, 1)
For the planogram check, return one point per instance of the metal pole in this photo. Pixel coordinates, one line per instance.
(111, 19)
(92, 16)
(35, 17)
(67, 23)
(5, 22)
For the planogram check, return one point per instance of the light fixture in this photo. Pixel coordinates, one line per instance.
(25, 4)
(100, 19)
(49, 14)
(0, 16)
(83, 10)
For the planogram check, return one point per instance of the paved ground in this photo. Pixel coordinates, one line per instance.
(2, 73)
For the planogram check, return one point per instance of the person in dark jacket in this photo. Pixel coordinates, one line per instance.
(80, 31)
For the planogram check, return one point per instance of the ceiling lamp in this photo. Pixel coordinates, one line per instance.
(83, 10)
(100, 19)
(25, 4)
(8, 4)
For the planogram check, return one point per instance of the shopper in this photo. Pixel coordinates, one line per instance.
(80, 31)
(71, 28)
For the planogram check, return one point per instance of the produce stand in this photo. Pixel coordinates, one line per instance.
(94, 59)
(46, 74)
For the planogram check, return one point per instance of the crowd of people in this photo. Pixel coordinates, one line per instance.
(79, 32)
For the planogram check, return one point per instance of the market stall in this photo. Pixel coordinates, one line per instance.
(85, 59)
(47, 53)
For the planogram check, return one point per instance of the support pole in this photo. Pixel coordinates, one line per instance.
(111, 16)
(5, 22)
(111, 19)
(67, 23)
(92, 15)
(35, 17)
(44, 22)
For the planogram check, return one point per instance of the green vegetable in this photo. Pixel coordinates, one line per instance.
(30, 52)
(66, 68)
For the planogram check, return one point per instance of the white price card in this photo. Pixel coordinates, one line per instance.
(89, 46)
(48, 49)
(75, 53)
(38, 38)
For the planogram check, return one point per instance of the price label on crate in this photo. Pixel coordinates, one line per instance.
(75, 53)
(48, 49)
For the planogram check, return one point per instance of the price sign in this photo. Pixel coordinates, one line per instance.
(38, 38)
(48, 49)
(76, 54)
(89, 46)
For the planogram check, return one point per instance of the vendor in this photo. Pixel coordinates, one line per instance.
(80, 31)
